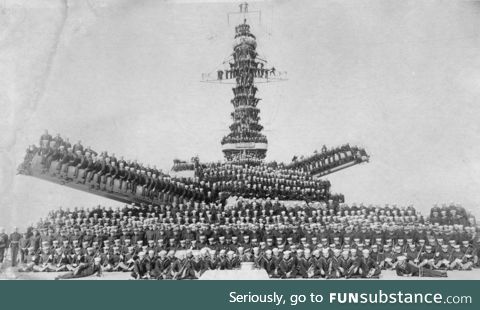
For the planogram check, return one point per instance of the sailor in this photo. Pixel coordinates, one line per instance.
(3, 244)
(458, 260)
(355, 270)
(443, 257)
(14, 241)
(369, 266)
(78, 147)
(406, 269)
(84, 270)
(60, 261)
(345, 263)
(24, 244)
(162, 266)
(287, 268)
(322, 262)
(141, 269)
(268, 263)
(335, 269)
(427, 258)
(31, 259)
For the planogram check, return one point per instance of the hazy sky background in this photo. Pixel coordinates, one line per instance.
(400, 78)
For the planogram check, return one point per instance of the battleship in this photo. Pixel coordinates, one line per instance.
(212, 204)
(245, 145)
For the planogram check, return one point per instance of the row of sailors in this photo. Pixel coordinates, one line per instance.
(241, 114)
(323, 152)
(267, 169)
(243, 54)
(183, 166)
(243, 159)
(240, 182)
(100, 230)
(448, 209)
(334, 160)
(244, 73)
(244, 122)
(262, 190)
(263, 172)
(191, 239)
(108, 166)
(245, 103)
(325, 157)
(61, 145)
(47, 140)
(229, 235)
(272, 210)
(233, 235)
(242, 137)
(322, 262)
(243, 29)
(258, 209)
(452, 214)
(246, 126)
(99, 171)
(242, 91)
(48, 150)
(150, 228)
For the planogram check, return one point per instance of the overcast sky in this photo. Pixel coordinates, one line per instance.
(400, 78)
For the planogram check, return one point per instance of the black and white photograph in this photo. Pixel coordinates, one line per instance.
(233, 140)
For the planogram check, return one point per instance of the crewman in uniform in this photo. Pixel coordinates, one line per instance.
(31, 259)
(162, 266)
(427, 258)
(457, 260)
(406, 269)
(268, 263)
(306, 265)
(369, 266)
(84, 270)
(355, 270)
(15, 238)
(287, 268)
(141, 269)
(334, 265)
(345, 263)
(442, 257)
(3, 244)
(321, 269)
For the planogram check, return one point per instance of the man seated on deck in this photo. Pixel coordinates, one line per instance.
(442, 258)
(335, 269)
(60, 260)
(369, 266)
(287, 268)
(459, 260)
(141, 269)
(427, 258)
(84, 270)
(31, 259)
(406, 269)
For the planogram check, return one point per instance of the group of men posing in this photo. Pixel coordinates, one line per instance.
(144, 241)
(103, 171)
(328, 158)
